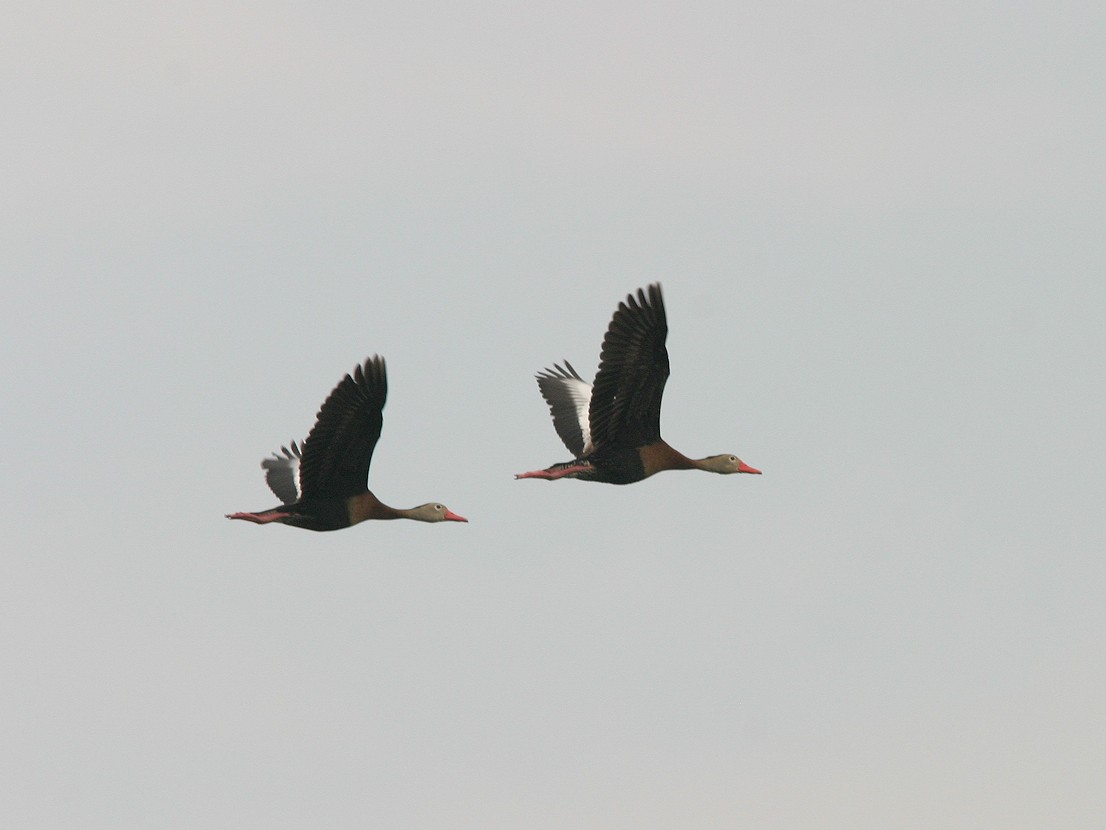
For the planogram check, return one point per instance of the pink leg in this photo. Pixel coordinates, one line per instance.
(552, 475)
(259, 518)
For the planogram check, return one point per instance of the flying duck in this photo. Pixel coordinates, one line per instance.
(613, 428)
(332, 465)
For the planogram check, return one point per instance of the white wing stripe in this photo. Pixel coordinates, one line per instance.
(569, 398)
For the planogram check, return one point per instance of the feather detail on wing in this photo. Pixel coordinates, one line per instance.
(339, 448)
(568, 396)
(633, 369)
(282, 474)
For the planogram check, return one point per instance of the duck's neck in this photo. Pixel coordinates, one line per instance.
(701, 464)
(660, 456)
(404, 513)
(365, 506)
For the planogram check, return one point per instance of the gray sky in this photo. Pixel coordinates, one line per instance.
(880, 234)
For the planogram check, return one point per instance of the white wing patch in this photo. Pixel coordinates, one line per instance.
(569, 397)
(282, 474)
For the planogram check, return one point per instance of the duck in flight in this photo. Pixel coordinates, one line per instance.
(613, 428)
(332, 466)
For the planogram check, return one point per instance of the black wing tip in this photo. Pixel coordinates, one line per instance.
(654, 299)
(293, 454)
(558, 372)
(637, 311)
(371, 378)
(373, 369)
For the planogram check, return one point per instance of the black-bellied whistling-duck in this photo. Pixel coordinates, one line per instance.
(333, 464)
(613, 429)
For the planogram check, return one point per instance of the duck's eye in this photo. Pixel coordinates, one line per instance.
(439, 507)
(733, 458)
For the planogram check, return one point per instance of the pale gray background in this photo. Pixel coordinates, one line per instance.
(880, 233)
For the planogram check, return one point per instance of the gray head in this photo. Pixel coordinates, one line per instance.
(433, 512)
(725, 464)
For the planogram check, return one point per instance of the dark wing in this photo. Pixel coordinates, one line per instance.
(568, 396)
(339, 449)
(633, 368)
(281, 474)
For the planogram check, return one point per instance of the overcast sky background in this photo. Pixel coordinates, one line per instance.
(880, 232)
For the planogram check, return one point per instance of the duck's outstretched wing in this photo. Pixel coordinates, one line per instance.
(338, 451)
(568, 396)
(282, 473)
(633, 368)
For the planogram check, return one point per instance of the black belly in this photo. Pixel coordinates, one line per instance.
(616, 466)
(318, 515)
